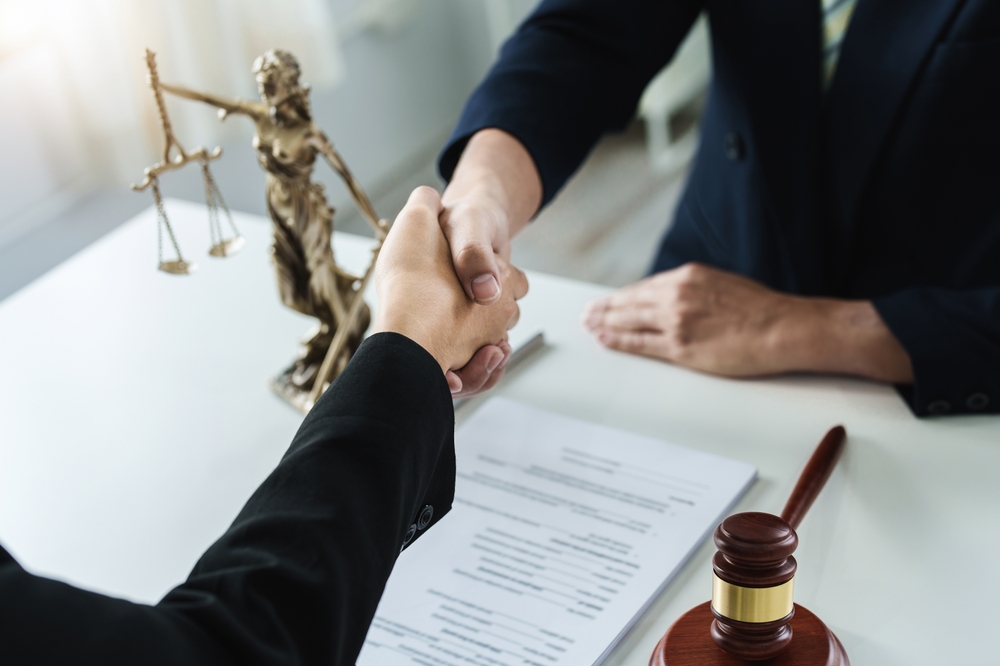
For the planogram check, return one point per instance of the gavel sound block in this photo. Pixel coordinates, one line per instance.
(752, 617)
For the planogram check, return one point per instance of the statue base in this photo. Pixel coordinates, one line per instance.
(689, 642)
(288, 391)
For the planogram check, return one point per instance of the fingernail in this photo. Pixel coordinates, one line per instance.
(507, 351)
(494, 361)
(485, 288)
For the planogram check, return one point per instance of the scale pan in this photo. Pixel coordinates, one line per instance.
(178, 267)
(229, 247)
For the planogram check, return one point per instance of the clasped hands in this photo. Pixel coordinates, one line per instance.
(420, 295)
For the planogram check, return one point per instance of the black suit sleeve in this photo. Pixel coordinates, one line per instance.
(573, 71)
(953, 339)
(297, 577)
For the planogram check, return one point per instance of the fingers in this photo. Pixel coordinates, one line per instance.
(515, 284)
(516, 281)
(648, 291)
(636, 306)
(633, 342)
(474, 239)
(425, 197)
(629, 317)
(482, 372)
(416, 226)
(454, 381)
(512, 321)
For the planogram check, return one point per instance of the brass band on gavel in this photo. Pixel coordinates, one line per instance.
(752, 604)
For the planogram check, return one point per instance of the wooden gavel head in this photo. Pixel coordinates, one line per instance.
(754, 574)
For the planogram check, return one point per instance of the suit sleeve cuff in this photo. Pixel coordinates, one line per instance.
(953, 364)
(394, 380)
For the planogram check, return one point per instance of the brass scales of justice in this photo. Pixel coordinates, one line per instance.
(288, 143)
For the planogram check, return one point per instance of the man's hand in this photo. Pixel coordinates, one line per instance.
(718, 322)
(420, 296)
(492, 194)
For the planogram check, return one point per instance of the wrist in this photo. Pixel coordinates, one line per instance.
(408, 327)
(842, 336)
(496, 172)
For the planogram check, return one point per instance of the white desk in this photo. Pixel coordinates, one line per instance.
(135, 420)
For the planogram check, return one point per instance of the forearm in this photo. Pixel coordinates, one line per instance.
(841, 336)
(496, 172)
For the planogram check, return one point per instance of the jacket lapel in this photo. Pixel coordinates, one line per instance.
(886, 45)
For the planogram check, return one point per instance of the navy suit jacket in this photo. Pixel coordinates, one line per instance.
(883, 187)
(297, 577)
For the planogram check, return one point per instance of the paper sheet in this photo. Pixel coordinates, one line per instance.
(562, 533)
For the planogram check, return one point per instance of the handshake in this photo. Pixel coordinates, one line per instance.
(421, 297)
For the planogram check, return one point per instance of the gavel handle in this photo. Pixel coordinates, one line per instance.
(814, 476)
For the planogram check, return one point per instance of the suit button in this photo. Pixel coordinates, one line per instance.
(938, 407)
(425, 517)
(410, 533)
(735, 150)
(977, 401)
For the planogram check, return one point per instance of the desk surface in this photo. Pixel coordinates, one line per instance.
(135, 420)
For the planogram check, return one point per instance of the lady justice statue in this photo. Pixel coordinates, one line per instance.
(309, 280)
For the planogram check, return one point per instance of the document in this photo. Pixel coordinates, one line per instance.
(561, 535)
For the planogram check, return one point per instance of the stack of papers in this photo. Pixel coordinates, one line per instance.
(562, 534)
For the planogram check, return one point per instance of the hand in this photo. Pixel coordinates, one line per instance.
(478, 235)
(718, 322)
(421, 298)
(494, 191)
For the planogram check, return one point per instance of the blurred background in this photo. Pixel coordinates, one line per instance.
(389, 79)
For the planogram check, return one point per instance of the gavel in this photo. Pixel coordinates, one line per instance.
(752, 616)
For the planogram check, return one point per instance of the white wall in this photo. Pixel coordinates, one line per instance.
(34, 182)
(403, 90)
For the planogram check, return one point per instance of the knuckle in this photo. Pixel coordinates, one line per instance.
(684, 291)
(524, 283)
(417, 212)
(634, 341)
(678, 341)
(472, 252)
(681, 319)
(695, 268)
(512, 320)
(691, 271)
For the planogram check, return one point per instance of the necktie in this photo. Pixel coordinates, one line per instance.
(836, 17)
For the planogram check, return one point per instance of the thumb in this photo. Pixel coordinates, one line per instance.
(472, 242)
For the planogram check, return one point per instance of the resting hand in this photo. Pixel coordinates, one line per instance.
(420, 296)
(718, 322)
